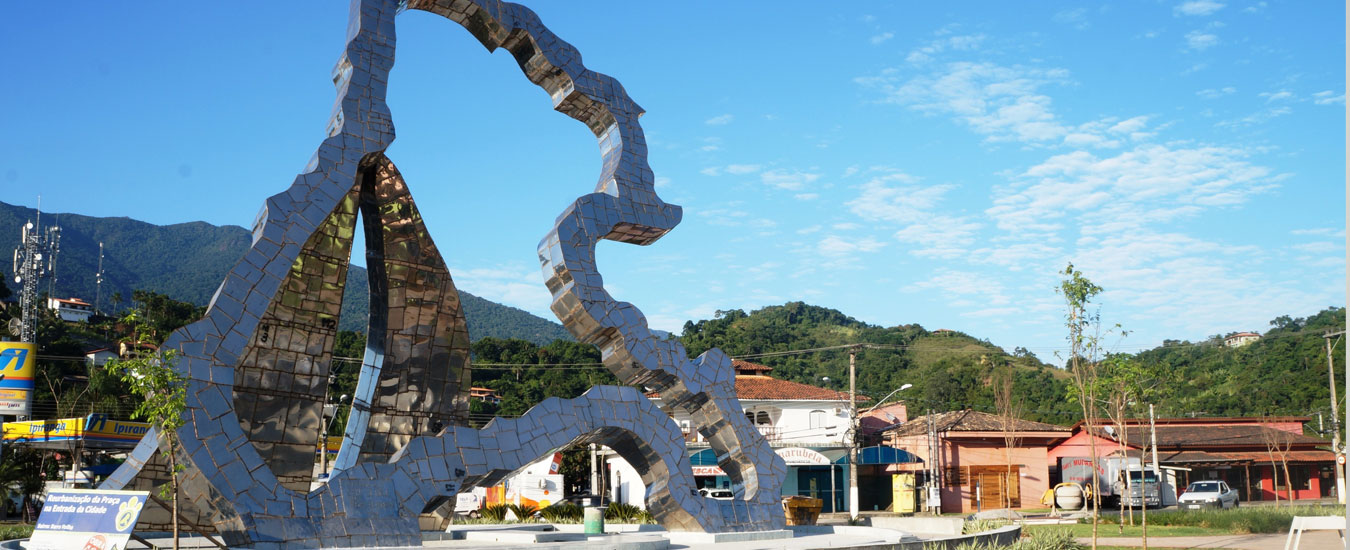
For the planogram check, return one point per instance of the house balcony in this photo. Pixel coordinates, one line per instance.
(777, 436)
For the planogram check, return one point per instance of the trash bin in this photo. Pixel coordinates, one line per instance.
(593, 519)
(802, 510)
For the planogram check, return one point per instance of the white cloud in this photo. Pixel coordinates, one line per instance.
(809, 229)
(945, 43)
(713, 171)
(1258, 117)
(741, 169)
(835, 246)
(1215, 93)
(790, 180)
(1156, 183)
(1197, 7)
(709, 148)
(806, 196)
(720, 120)
(1328, 97)
(1130, 125)
(881, 38)
(1003, 103)
(1076, 17)
(661, 182)
(979, 288)
(1276, 96)
(1200, 40)
(516, 286)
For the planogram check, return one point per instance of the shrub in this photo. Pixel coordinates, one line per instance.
(562, 512)
(973, 526)
(495, 513)
(622, 512)
(523, 512)
(16, 531)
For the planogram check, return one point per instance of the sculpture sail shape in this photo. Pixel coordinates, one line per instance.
(258, 361)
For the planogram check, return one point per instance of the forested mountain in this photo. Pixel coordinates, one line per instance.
(1285, 372)
(188, 261)
(949, 369)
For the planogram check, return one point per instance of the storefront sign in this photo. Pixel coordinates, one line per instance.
(87, 520)
(801, 456)
(94, 429)
(708, 471)
(18, 362)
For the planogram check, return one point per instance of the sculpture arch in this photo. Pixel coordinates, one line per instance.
(255, 359)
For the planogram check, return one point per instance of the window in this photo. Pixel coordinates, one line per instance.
(762, 418)
(817, 419)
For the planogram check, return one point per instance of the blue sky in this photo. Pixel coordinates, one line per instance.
(903, 163)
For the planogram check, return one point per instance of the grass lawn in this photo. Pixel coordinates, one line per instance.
(1111, 530)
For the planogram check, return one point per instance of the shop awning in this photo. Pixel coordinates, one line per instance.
(880, 454)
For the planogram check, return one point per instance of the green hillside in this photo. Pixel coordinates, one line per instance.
(949, 370)
(1283, 373)
(188, 261)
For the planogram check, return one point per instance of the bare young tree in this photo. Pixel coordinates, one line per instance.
(1085, 356)
(1010, 407)
(1278, 444)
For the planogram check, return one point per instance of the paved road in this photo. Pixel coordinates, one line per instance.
(1312, 540)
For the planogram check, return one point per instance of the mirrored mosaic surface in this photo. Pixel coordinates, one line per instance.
(258, 362)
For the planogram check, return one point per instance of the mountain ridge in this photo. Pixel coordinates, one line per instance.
(188, 260)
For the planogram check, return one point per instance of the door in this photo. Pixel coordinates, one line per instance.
(993, 487)
(905, 499)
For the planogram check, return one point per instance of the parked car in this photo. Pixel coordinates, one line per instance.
(1206, 494)
(719, 494)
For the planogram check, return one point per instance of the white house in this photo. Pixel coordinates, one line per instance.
(804, 424)
(99, 357)
(1241, 339)
(72, 309)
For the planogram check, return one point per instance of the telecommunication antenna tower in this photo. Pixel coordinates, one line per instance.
(98, 280)
(33, 259)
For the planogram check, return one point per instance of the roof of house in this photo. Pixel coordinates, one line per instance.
(752, 382)
(75, 301)
(1208, 437)
(971, 421)
(1205, 421)
(768, 388)
(1221, 457)
(1241, 334)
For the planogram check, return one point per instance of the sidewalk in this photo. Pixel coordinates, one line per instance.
(1312, 540)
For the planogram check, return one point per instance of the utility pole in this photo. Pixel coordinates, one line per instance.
(1331, 378)
(1335, 407)
(1153, 440)
(934, 495)
(852, 433)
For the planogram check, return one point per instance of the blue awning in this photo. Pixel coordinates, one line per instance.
(881, 454)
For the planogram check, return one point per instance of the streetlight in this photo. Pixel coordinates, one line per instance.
(853, 432)
(323, 437)
(888, 396)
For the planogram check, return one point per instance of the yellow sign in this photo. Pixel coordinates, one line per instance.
(93, 430)
(18, 365)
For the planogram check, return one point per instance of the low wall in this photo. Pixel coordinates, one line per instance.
(919, 524)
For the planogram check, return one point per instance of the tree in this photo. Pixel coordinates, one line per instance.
(1085, 354)
(1278, 443)
(1009, 405)
(163, 392)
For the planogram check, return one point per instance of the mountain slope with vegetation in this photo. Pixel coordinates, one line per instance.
(949, 369)
(188, 261)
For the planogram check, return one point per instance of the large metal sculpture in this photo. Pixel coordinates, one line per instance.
(258, 363)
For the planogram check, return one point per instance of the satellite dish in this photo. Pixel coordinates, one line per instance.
(15, 326)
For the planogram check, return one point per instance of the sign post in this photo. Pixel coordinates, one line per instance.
(87, 520)
(18, 362)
